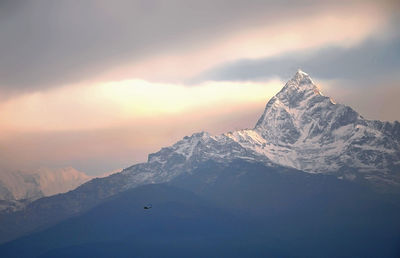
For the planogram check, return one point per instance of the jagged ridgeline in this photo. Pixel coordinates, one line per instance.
(313, 178)
(300, 128)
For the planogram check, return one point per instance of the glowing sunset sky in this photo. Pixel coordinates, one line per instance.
(97, 85)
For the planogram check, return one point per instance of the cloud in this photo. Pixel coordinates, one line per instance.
(103, 81)
(373, 59)
(105, 105)
(60, 128)
(96, 128)
(47, 43)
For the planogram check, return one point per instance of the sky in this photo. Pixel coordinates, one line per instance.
(98, 85)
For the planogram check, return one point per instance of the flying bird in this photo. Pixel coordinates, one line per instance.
(147, 207)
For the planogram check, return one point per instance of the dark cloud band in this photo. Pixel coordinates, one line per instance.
(373, 59)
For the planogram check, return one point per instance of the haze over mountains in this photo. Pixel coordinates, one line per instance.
(19, 187)
(313, 178)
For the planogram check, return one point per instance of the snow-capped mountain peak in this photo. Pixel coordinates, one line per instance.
(300, 128)
(287, 112)
(299, 80)
(300, 84)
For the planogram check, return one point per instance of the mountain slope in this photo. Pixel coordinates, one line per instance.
(248, 210)
(175, 212)
(299, 129)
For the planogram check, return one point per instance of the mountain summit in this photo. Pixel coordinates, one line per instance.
(279, 122)
(305, 130)
(300, 128)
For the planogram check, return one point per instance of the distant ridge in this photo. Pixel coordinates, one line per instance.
(19, 187)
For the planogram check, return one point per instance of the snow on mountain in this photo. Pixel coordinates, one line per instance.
(300, 128)
(59, 180)
(305, 130)
(31, 185)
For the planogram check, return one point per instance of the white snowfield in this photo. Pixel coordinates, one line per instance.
(300, 128)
